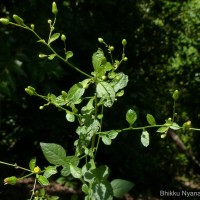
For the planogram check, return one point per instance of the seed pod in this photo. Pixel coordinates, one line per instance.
(10, 180)
(175, 95)
(4, 21)
(124, 42)
(18, 19)
(54, 8)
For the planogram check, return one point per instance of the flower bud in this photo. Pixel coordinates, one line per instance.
(42, 55)
(100, 40)
(18, 19)
(125, 58)
(4, 21)
(111, 48)
(54, 8)
(124, 42)
(32, 26)
(10, 180)
(63, 37)
(49, 21)
(187, 125)
(30, 90)
(175, 95)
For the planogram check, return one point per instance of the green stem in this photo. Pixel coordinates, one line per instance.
(15, 165)
(60, 57)
(174, 110)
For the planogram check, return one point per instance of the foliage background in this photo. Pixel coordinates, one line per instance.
(163, 50)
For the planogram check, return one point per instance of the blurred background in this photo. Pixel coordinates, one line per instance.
(163, 55)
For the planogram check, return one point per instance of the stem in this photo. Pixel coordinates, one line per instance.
(60, 57)
(174, 110)
(33, 190)
(15, 165)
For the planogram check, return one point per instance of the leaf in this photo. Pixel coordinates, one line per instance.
(102, 190)
(105, 91)
(75, 93)
(65, 170)
(97, 58)
(121, 187)
(163, 129)
(32, 164)
(54, 37)
(54, 153)
(175, 126)
(51, 57)
(145, 138)
(49, 171)
(106, 140)
(151, 120)
(85, 188)
(131, 116)
(75, 171)
(70, 116)
(43, 180)
(121, 82)
(69, 54)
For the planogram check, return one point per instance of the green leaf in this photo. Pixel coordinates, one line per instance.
(97, 59)
(70, 116)
(102, 190)
(51, 57)
(121, 82)
(145, 138)
(121, 187)
(131, 116)
(105, 91)
(75, 93)
(151, 120)
(106, 140)
(163, 129)
(69, 54)
(66, 170)
(54, 153)
(32, 164)
(49, 171)
(43, 180)
(54, 37)
(175, 126)
(75, 171)
(85, 188)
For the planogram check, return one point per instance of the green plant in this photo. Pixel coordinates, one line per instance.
(85, 103)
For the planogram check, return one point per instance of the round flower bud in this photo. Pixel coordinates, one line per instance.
(100, 40)
(32, 26)
(124, 42)
(111, 48)
(187, 125)
(63, 37)
(125, 58)
(30, 90)
(54, 8)
(49, 21)
(4, 21)
(175, 95)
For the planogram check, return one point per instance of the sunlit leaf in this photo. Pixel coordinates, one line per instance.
(131, 117)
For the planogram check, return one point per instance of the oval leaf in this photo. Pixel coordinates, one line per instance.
(54, 153)
(32, 164)
(151, 120)
(43, 180)
(97, 58)
(69, 54)
(54, 37)
(121, 187)
(131, 117)
(163, 129)
(70, 117)
(75, 171)
(145, 138)
(49, 171)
